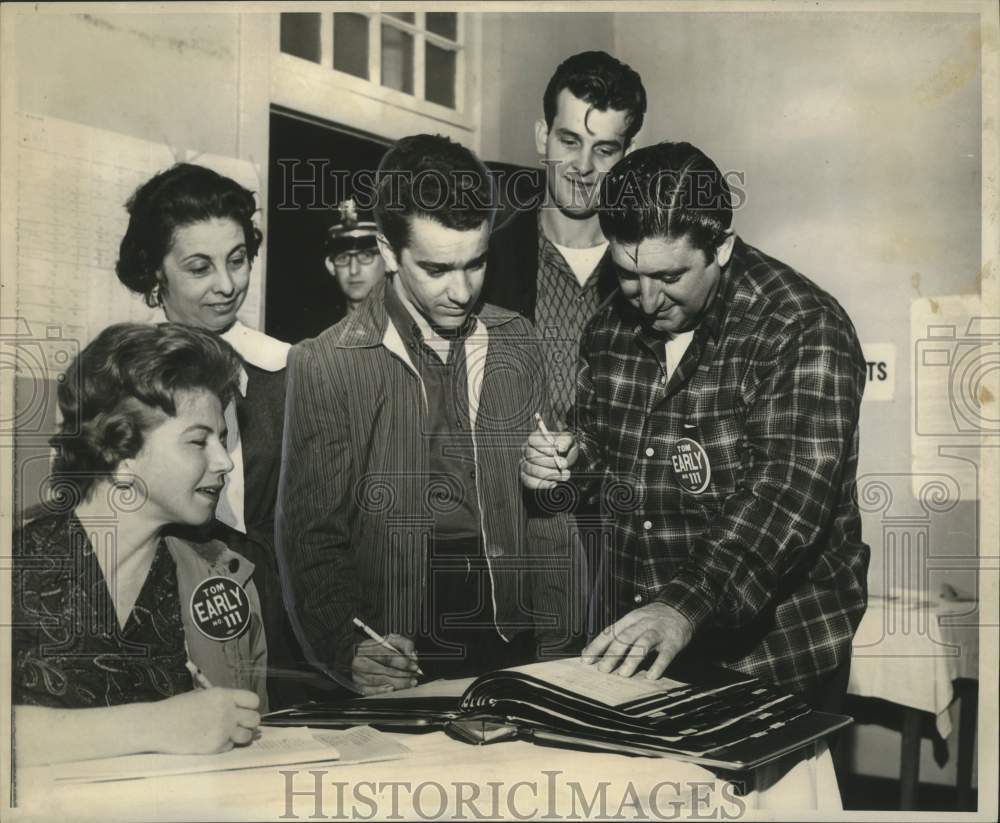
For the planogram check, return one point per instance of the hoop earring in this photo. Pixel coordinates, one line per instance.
(155, 298)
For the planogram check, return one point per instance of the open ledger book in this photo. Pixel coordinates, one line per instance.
(723, 719)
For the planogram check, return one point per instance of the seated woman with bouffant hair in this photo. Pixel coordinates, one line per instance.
(188, 251)
(130, 635)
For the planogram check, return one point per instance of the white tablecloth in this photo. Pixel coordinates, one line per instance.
(507, 780)
(909, 650)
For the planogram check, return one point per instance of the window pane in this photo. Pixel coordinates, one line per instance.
(397, 59)
(444, 23)
(440, 76)
(405, 16)
(350, 43)
(300, 34)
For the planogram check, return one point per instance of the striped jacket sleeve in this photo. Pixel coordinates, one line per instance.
(311, 526)
(559, 580)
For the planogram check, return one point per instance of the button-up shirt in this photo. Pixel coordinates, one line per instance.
(731, 482)
(451, 485)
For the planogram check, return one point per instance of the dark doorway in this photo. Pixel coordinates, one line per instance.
(314, 165)
(311, 169)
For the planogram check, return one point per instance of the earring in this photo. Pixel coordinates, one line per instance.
(155, 298)
(123, 481)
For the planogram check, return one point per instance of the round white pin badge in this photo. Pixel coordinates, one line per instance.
(220, 608)
(690, 464)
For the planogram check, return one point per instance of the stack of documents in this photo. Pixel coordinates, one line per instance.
(726, 720)
(274, 747)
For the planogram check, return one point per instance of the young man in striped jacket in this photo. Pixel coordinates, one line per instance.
(400, 500)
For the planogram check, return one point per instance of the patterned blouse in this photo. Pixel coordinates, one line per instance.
(69, 651)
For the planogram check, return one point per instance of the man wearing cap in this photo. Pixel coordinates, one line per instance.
(352, 256)
(718, 396)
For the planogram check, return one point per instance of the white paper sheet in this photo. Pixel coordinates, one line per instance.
(274, 747)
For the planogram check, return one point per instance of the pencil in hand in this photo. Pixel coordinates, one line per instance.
(196, 674)
(374, 635)
(544, 429)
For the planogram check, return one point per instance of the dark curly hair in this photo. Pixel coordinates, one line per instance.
(181, 195)
(597, 78)
(120, 386)
(428, 175)
(669, 190)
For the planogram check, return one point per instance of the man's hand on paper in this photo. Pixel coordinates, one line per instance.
(652, 629)
(375, 669)
(548, 458)
(205, 721)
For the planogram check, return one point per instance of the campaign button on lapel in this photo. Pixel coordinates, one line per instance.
(690, 464)
(220, 608)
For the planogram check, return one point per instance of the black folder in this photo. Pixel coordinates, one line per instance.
(715, 717)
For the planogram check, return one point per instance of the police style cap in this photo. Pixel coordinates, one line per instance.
(350, 232)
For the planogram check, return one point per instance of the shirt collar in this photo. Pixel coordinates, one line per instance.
(729, 284)
(415, 328)
(711, 322)
(256, 348)
(551, 254)
(400, 317)
(366, 326)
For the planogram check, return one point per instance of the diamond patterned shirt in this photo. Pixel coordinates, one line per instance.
(562, 310)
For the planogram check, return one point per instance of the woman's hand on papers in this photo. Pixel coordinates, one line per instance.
(376, 669)
(205, 721)
(655, 628)
(548, 458)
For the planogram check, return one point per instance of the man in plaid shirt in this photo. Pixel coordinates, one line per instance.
(718, 401)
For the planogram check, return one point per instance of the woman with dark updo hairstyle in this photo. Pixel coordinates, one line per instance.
(111, 652)
(188, 250)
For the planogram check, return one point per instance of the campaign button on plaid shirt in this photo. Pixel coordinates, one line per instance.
(766, 557)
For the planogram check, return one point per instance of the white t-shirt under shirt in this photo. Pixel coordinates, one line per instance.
(583, 261)
(676, 346)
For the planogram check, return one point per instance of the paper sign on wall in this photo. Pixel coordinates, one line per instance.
(881, 363)
(72, 185)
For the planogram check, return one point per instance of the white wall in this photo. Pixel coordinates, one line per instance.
(520, 52)
(156, 77)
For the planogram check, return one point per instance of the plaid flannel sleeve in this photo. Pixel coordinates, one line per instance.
(591, 467)
(803, 413)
